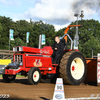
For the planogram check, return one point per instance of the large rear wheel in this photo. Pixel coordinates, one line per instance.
(73, 68)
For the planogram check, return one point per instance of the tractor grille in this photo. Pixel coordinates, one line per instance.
(19, 59)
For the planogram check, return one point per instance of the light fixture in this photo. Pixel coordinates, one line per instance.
(82, 14)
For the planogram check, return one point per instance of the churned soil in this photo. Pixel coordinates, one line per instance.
(21, 90)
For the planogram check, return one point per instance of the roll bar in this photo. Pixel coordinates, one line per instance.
(66, 30)
(69, 38)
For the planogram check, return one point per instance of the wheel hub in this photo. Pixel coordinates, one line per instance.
(77, 68)
(34, 75)
(73, 68)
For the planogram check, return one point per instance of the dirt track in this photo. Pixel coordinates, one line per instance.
(20, 90)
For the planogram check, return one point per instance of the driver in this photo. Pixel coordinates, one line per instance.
(58, 49)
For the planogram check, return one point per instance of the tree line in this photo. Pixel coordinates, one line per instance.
(89, 34)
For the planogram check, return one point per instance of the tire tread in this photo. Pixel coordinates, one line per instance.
(63, 67)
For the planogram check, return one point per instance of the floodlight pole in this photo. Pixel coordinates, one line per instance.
(9, 39)
(81, 15)
(92, 51)
(77, 26)
(9, 44)
(26, 41)
(40, 39)
(76, 38)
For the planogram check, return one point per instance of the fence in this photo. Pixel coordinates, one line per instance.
(6, 54)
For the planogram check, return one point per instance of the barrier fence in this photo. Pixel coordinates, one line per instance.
(6, 54)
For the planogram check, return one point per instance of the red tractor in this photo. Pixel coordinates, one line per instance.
(37, 64)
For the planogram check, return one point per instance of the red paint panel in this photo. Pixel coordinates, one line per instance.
(47, 50)
(31, 61)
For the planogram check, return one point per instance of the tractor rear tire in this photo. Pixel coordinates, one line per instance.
(8, 78)
(34, 76)
(73, 68)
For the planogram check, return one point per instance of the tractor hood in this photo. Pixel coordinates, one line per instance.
(47, 50)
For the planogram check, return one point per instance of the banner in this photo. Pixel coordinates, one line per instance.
(43, 39)
(11, 34)
(27, 37)
(76, 41)
(98, 69)
(60, 38)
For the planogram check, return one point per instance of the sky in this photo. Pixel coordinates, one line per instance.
(59, 13)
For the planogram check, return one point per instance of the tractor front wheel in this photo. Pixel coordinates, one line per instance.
(8, 78)
(73, 68)
(34, 76)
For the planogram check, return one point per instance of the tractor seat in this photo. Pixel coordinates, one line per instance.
(65, 43)
(47, 50)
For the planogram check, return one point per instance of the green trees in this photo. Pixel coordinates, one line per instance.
(89, 34)
(91, 43)
(4, 31)
(20, 28)
(89, 37)
(41, 28)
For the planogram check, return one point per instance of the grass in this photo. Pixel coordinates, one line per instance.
(16, 75)
(19, 75)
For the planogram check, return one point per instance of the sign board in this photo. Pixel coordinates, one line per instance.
(60, 38)
(5, 61)
(98, 69)
(11, 34)
(59, 90)
(76, 42)
(43, 39)
(27, 37)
